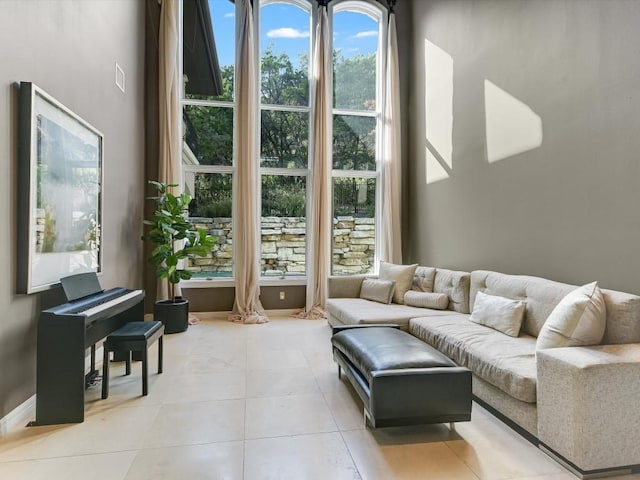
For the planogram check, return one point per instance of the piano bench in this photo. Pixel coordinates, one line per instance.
(132, 337)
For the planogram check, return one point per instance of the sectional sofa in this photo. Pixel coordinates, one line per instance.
(581, 404)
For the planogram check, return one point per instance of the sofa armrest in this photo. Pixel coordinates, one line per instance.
(347, 286)
(588, 404)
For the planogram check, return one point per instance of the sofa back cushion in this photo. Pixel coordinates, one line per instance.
(455, 285)
(423, 279)
(623, 317)
(542, 295)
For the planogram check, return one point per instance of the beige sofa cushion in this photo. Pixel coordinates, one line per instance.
(401, 274)
(541, 295)
(423, 279)
(354, 311)
(380, 291)
(501, 314)
(623, 317)
(579, 319)
(437, 301)
(454, 285)
(507, 363)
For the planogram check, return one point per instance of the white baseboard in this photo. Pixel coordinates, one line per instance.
(20, 415)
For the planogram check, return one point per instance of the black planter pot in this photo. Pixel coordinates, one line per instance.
(174, 315)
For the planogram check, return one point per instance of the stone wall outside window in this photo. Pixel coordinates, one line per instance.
(284, 248)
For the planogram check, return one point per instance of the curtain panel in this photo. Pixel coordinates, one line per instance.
(391, 241)
(319, 241)
(246, 229)
(169, 160)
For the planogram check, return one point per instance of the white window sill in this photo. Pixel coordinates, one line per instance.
(229, 282)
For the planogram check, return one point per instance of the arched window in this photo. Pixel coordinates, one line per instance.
(358, 33)
(285, 46)
(285, 31)
(207, 148)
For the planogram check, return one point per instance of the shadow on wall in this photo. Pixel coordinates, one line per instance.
(512, 127)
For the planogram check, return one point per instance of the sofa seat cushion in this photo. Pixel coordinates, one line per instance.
(354, 311)
(506, 362)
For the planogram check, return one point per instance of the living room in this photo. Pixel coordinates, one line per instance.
(550, 192)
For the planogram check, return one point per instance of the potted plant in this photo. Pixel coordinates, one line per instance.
(175, 240)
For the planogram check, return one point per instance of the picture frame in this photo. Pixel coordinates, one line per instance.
(60, 178)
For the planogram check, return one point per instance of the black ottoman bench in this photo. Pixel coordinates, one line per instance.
(401, 379)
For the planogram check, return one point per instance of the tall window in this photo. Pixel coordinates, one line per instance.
(286, 29)
(207, 149)
(285, 43)
(356, 129)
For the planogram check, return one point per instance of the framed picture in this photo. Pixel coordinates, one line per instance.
(60, 192)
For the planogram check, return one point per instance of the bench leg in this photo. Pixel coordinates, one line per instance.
(128, 364)
(105, 373)
(452, 426)
(160, 354)
(365, 416)
(93, 358)
(145, 379)
(339, 372)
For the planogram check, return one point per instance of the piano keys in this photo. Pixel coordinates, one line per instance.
(64, 334)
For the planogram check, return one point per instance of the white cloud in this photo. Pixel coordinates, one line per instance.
(367, 33)
(229, 15)
(287, 32)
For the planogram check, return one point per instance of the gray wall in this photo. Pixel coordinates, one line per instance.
(220, 299)
(69, 48)
(567, 210)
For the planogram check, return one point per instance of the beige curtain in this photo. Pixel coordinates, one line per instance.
(246, 217)
(169, 110)
(391, 160)
(319, 231)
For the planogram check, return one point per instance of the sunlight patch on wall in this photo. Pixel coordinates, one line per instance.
(438, 66)
(512, 126)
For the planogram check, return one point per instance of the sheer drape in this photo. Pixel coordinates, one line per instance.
(169, 170)
(319, 241)
(391, 160)
(247, 307)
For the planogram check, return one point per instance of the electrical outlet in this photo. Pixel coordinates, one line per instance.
(282, 295)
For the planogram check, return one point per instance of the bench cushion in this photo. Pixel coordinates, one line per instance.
(506, 362)
(383, 348)
(135, 331)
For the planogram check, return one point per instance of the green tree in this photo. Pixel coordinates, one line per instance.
(284, 135)
(354, 81)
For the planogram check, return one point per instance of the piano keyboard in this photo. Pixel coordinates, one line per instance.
(110, 303)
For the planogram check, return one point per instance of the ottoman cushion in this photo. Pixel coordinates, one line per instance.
(383, 348)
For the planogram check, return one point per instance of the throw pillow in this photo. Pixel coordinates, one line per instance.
(579, 319)
(401, 274)
(377, 290)
(499, 313)
(437, 301)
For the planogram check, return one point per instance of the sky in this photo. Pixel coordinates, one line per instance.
(287, 29)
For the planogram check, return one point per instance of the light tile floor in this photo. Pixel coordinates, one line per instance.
(257, 402)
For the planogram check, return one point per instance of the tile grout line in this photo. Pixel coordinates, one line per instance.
(246, 389)
(344, 442)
